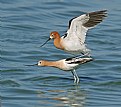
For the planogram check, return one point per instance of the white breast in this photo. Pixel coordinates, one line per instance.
(73, 45)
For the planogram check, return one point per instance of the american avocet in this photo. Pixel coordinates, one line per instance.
(69, 64)
(74, 39)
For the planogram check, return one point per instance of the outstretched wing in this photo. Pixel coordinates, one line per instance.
(79, 26)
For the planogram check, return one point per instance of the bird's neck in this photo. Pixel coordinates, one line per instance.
(57, 42)
(51, 63)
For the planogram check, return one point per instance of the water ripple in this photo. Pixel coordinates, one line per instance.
(9, 83)
(25, 25)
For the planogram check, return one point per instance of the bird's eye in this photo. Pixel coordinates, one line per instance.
(39, 63)
(52, 35)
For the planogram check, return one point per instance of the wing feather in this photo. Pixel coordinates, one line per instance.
(78, 60)
(95, 18)
(79, 26)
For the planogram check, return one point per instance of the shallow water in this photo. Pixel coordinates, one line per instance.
(26, 24)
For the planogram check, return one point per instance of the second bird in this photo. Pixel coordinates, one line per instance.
(69, 64)
(73, 40)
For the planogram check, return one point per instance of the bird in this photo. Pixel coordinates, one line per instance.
(73, 41)
(68, 64)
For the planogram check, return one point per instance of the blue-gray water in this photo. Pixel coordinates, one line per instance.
(26, 24)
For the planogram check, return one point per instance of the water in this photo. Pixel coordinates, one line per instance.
(26, 24)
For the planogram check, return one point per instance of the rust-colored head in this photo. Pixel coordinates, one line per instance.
(54, 35)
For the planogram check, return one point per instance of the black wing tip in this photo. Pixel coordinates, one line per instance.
(104, 10)
(95, 18)
(100, 12)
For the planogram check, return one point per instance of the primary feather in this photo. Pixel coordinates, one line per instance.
(79, 26)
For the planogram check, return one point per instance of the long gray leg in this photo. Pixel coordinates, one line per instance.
(76, 78)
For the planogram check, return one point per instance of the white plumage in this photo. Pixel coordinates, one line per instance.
(74, 39)
(69, 64)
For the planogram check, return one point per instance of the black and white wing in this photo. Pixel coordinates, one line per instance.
(79, 26)
(78, 60)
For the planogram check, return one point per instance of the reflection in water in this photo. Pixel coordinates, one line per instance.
(76, 98)
(73, 97)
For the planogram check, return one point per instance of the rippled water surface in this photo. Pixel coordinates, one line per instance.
(26, 24)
